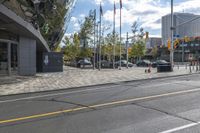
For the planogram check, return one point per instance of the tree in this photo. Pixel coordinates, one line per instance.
(141, 48)
(85, 35)
(110, 41)
(138, 43)
(58, 49)
(71, 50)
(86, 52)
(134, 51)
(138, 49)
(137, 31)
(154, 52)
(86, 30)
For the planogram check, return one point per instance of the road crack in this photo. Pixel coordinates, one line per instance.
(165, 112)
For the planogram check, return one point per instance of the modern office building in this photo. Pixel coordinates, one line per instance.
(186, 25)
(25, 36)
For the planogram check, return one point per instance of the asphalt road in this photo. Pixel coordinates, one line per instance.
(149, 106)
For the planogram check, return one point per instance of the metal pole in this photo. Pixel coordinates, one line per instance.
(172, 36)
(120, 39)
(94, 40)
(114, 37)
(127, 50)
(100, 44)
(97, 50)
(182, 53)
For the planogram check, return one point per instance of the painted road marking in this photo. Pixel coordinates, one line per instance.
(181, 128)
(97, 105)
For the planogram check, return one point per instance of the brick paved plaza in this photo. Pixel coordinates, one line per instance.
(74, 77)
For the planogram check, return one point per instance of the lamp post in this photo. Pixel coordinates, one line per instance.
(94, 51)
(172, 36)
(127, 50)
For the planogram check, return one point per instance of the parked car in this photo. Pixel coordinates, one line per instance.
(123, 63)
(106, 64)
(160, 62)
(84, 62)
(143, 63)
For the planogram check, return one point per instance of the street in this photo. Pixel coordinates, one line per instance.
(148, 106)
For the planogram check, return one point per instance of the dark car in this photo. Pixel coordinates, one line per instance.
(160, 62)
(123, 63)
(84, 62)
(163, 66)
(143, 63)
(104, 64)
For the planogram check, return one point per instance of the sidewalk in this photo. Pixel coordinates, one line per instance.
(73, 77)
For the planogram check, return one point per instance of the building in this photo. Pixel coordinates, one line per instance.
(152, 42)
(186, 25)
(25, 36)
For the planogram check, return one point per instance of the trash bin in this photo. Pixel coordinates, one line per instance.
(164, 68)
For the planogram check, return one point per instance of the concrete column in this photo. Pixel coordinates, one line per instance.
(27, 56)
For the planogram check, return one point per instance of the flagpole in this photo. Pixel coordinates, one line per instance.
(120, 35)
(94, 39)
(114, 36)
(100, 37)
(97, 49)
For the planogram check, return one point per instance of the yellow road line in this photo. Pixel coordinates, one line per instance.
(42, 115)
(96, 106)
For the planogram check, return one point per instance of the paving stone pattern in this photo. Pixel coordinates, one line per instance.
(74, 77)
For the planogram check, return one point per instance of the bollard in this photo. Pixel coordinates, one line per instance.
(199, 65)
(190, 69)
(196, 66)
(193, 65)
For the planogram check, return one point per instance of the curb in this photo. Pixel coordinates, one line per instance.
(104, 84)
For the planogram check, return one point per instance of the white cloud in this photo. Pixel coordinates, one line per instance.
(73, 19)
(149, 12)
(82, 15)
(75, 22)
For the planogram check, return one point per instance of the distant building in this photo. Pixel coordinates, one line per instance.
(186, 25)
(152, 42)
(191, 29)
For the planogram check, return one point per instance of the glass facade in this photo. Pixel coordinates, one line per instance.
(3, 58)
(8, 58)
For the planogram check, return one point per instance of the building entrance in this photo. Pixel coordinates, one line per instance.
(8, 57)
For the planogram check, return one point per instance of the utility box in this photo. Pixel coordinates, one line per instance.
(50, 62)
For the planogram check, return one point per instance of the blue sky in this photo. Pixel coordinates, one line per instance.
(147, 12)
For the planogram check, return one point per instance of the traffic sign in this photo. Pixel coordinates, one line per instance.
(183, 45)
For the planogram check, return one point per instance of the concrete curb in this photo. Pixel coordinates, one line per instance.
(104, 84)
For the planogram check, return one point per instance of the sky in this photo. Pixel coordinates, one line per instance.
(147, 13)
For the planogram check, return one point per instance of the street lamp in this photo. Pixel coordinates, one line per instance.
(172, 36)
(127, 50)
